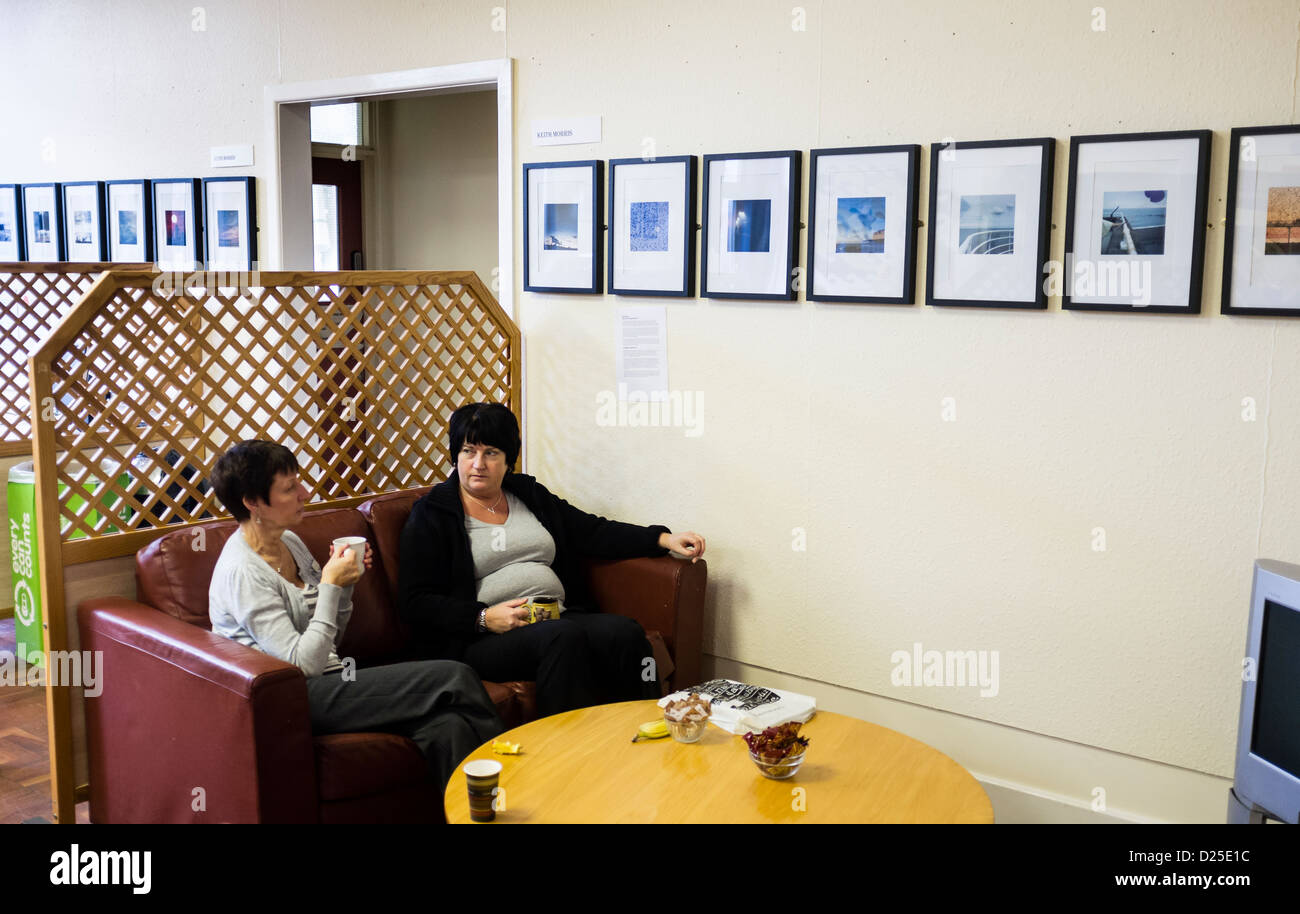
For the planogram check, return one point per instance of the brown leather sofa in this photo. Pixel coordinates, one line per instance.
(193, 727)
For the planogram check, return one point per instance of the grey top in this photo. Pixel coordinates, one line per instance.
(513, 559)
(250, 602)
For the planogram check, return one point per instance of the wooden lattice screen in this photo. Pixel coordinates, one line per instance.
(33, 297)
(142, 385)
(357, 373)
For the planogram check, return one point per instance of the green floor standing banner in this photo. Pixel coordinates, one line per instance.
(27, 574)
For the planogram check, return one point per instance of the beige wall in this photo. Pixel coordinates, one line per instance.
(435, 200)
(967, 535)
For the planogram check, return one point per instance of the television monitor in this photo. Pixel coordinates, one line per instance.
(1266, 782)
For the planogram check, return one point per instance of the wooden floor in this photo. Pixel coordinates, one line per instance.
(24, 750)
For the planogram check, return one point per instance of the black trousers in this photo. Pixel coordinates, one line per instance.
(438, 704)
(578, 660)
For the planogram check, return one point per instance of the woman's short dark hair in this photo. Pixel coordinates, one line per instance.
(489, 424)
(247, 470)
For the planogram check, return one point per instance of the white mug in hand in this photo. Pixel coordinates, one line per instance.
(357, 546)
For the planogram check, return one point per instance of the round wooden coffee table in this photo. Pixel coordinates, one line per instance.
(581, 766)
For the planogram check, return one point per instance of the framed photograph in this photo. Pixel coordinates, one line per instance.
(562, 222)
(652, 226)
(862, 224)
(230, 214)
(1135, 222)
(43, 222)
(177, 228)
(11, 223)
(83, 221)
(1261, 247)
(130, 221)
(751, 207)
(990, 211)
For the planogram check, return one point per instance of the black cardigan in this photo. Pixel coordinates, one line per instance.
(436, 584)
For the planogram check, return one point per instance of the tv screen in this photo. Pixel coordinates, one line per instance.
(1276, 736)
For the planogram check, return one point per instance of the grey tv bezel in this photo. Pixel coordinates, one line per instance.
(1258, 782)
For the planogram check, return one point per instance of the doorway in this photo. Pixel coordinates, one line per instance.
(289, 226)
(338, 242)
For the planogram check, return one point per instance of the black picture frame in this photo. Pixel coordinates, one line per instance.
(788, 227)
(14, 245)
(942, 153)
(1231, 235)
(215, 233)
(687, 224)
(541, 278)
(98, 235)
(191, 191)
(55, 232)
(1194, 277)
(911, 187)
(145, 221)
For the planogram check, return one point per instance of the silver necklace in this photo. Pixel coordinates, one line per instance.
(493, 509)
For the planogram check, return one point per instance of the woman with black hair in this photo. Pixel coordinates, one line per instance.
(268, 593)
(484, 542)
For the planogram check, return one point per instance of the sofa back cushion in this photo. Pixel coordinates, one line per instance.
(173, 574)
(387, 515)
(375, 634)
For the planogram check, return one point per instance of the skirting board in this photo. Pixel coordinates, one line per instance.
(1029, 777)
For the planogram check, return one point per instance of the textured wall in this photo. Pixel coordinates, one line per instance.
(966, 535)
(437, 180)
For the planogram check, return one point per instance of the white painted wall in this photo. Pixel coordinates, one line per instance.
(436, 177)
(970, 535)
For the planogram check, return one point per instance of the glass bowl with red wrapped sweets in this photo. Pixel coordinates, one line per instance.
(777, 751)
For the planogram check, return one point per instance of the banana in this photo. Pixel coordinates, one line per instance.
(655, 729)
(501, 747)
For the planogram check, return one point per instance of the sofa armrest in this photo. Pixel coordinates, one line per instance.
(191, 726)
(663, 594)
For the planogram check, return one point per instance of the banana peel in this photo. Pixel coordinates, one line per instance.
(655, 729)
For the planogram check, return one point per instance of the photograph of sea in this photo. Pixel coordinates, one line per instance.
(860, 225)
(81, 219)
(560, 227)
(227, 228)
(1282, 227)
(649, 225)
(127, 229)
(988, 224)
(1133, 221)
(175, 227)
(750, 224)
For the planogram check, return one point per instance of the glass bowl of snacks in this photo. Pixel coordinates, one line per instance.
(777, 752)
(687, 718)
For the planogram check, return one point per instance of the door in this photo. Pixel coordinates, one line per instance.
(336, 214)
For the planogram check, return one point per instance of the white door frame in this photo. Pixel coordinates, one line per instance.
(288, 127)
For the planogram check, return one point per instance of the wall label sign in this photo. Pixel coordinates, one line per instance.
(231, 156)
(563, 131)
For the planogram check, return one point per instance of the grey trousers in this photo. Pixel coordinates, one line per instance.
(440, 705)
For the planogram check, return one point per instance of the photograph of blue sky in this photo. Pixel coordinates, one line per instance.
(860, 225)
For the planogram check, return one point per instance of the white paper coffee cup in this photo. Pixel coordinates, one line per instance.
(357, 546)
